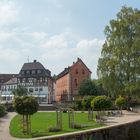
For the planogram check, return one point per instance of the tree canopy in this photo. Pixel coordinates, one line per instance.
(120, 57)
(26, 105)
(87, 87)
(86, 102)
(20, 91)
(120, 101)
(101, 103)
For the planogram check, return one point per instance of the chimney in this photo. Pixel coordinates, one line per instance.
(34, 61)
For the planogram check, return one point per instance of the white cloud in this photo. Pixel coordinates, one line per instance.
(89, 51)
(5, 35)
(54, 52)
(9, 55)
(59, 54)
(8, 12)
(56, 42)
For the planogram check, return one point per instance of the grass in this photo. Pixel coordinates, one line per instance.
(41, 121)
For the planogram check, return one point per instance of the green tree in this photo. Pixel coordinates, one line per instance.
(120, 102)
(101, 103)
(20, 91)
(119, 64)
(86, 102)
(2, 111)
(133, 89)
(87, 87)
(100, 88)
(26, 106)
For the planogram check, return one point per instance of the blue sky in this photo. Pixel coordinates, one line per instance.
(55, 32)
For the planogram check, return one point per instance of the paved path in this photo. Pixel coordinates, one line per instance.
(5, 122)
(4, 126)
(121, 119)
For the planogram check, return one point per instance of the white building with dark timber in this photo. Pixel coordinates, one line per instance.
(37, 80)
(6, 90)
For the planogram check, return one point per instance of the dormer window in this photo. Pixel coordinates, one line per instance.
(33, 71)
(22, 72)
(38, 71)
(28, 72)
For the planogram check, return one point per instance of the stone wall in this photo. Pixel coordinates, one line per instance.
(128, 131)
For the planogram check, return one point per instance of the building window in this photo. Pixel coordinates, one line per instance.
(38, 71)
(30, 89)
(36, 89)
(23, 80)
(83, 72)
(41, 79)
(75, 82)
(28, 72)
(22, 72)
(33, 71)
(40, 89)
(76, 71)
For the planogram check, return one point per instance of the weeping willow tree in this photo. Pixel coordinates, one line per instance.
(119, 64)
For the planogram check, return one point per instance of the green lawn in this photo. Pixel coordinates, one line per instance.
(41, 121)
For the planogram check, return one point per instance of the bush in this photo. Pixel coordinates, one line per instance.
(54, 129)
(86, 102)
(2, 111)
(9, 107)
(120, 102)
(101, 103)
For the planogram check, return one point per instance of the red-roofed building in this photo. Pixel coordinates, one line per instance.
(68, 81)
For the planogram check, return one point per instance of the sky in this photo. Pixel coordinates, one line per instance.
(55, 32)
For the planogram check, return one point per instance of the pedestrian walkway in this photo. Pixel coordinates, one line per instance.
(126, 117)
(4, 126)
(111, 121)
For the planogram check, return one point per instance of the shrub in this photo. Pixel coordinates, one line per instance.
(9, 107)
(86, 102)
(2, 111)
(54, 129)
(101, 103)
(120, 102)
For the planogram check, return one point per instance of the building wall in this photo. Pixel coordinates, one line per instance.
(78, 72)
(6, 77)
(50, 90)
(67, 85)
(6, 92)
(62, 87)
(41, 86)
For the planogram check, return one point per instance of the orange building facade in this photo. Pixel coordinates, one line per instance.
(68, 81)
